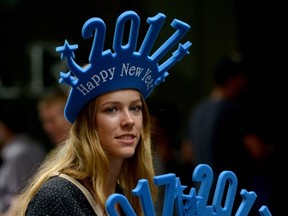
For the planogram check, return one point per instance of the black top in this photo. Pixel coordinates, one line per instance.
(59, 196)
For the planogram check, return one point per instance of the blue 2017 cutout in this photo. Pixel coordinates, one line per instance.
(193, 203)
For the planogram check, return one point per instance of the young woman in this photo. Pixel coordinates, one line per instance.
(108, 149)
(108, 142)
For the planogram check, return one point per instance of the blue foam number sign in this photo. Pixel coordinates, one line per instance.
(194, 203)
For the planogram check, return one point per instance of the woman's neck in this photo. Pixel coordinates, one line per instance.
(113, 174)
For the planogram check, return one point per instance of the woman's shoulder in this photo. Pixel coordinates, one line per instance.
(59, 186)
(58, 195)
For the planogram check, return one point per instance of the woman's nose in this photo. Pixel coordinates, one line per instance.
(127, 120)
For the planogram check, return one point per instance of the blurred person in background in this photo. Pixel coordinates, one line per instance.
(221, 131)
(21, 153)
(51, 114)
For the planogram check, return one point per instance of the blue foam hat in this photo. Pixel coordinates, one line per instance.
(125, 67)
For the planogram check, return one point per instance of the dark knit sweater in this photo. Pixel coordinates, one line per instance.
(59, 196)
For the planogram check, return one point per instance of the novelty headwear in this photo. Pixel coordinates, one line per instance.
(125, 67)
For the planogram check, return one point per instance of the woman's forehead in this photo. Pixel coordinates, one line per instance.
(120, 95)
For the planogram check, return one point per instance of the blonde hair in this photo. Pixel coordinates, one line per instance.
(82, 152)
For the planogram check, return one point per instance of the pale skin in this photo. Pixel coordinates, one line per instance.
(119, 124)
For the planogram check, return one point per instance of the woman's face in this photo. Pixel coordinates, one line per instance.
(119, 122)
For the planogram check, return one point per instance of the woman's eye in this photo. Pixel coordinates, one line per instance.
(111, 110)
(136, 108)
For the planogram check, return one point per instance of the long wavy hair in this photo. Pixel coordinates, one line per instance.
(82, 157)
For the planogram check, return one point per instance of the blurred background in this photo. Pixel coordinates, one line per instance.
(30, 31)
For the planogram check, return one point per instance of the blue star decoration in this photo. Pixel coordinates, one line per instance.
(190, 206)
(67, 50)
(179, 188)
